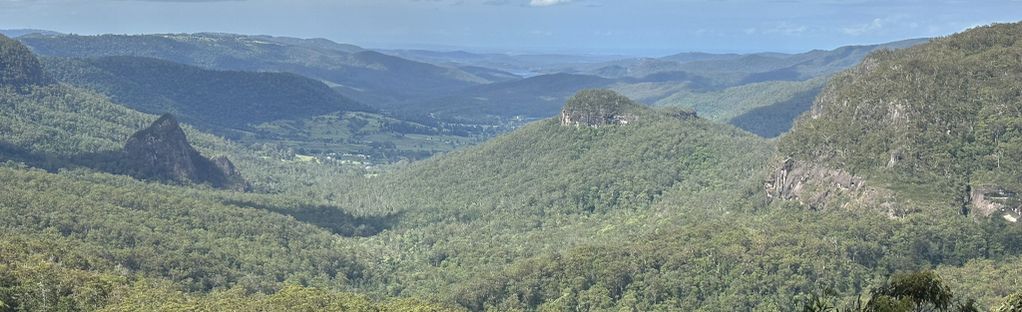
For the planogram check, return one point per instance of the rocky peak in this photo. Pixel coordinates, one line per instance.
(162, 152)
(594, 108)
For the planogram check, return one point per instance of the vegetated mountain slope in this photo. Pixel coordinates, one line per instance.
(736, 69)
(19, 68)
(765, 108)
(547, 186)
(639, 209)
(720, 86)
(281, 109)
(75, 238)
(762, 92)
(57, 125)
(80, 240)
(364, 74)
(766, 67)
(648, 210)
(937, 122)
(547, 164)
(777, 117)
(210, 98)
(724, 104)
(774, 261)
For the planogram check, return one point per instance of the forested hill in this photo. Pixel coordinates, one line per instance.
(937, 121)
(73, 238)
(209, 98)
(634, 159)
(19, 68)
(645, 209)
(360, 73)
(612, 206)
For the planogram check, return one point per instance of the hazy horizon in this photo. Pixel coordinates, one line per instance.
(596, 27)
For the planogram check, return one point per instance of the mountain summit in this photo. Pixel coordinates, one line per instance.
(18, 66)
(162, 152)
(596, 108)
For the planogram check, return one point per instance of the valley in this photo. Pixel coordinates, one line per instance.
(230, 172)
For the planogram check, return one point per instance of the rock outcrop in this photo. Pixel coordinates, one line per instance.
(988, 200)
(819, 188)
(162, 152)
(595, 108)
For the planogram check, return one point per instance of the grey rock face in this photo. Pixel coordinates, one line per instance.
(162, 152)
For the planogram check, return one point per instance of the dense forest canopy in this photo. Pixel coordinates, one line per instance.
(18, 66)
(612, 206)
(941, 116)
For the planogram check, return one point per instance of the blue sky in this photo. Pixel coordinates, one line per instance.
(635, 27)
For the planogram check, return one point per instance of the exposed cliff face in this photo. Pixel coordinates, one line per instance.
(820, 188)
(162, 152)
(988, 200)
(595, 108)
(936, 126)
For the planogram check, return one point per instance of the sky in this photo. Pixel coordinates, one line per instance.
(602, 27)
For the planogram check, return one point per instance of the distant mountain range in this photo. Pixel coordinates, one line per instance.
(14, 33)
(519, 64)
(365, 75)
(493, 89)
(724, 86)
(217, 100)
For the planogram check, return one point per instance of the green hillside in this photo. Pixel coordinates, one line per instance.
(777, 117)
(546, 187)
(368, 76)
(614, 206)
(284, 110)
(767, 67)
(82, 241)
(726, 104)
(660, 213)
(214, 99)
(665, 212)
(76, 239)
(631, 163)
(936, 121)
(19, 68)
(762, 93)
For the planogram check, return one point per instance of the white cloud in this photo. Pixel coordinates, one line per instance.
(543, 3)
(778, 28)
(877, 24)
(786, 28)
